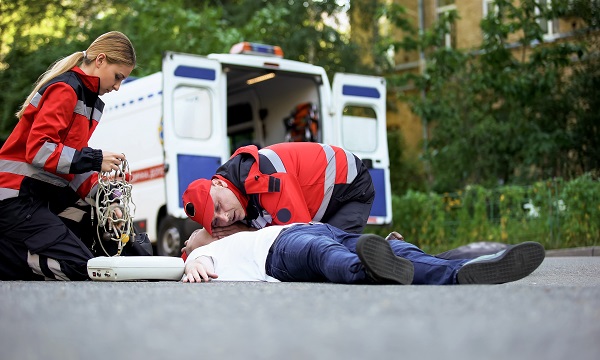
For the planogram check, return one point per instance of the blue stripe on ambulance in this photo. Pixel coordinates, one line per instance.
(192, 167)
(353, 90)
(378, 177)
(195, 72)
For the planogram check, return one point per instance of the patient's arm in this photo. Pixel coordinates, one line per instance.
(199, 269)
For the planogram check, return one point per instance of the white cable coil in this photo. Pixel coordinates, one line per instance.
(115, 208)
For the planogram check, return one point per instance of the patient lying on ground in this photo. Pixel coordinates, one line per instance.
(322, 253)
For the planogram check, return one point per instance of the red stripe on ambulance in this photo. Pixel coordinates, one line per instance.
(151, 173)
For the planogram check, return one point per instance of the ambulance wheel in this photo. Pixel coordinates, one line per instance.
(170, 237)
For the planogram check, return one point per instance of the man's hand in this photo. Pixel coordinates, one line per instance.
(198, 238)
(395, 236)
(199, 270)
(221, 232)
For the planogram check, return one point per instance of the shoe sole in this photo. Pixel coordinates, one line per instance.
(377, 256)
(514, 264)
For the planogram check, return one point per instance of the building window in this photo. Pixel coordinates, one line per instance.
(549, 26)
(442, 10)
(489, 7)
(442, 3)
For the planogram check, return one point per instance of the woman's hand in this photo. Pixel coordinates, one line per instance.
(115, 217)
(111, 161)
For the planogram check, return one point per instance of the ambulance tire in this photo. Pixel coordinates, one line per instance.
(170, 237)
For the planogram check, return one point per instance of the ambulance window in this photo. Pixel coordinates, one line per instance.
(192, 112)
(359, 128)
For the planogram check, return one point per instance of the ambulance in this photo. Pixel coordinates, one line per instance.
(182, 123)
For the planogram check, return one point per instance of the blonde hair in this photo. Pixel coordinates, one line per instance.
(115, 45)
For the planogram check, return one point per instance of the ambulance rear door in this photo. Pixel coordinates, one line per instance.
(194, 130)
(359, 117)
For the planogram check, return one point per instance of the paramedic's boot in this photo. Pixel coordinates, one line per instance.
(511, 264)
(381, 264)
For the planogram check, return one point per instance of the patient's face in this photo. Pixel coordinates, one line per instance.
(228, 208)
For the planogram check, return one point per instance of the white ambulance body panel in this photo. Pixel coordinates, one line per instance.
(131, 123)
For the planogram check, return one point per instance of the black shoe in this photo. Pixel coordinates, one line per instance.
(382, 265)
(511, 264)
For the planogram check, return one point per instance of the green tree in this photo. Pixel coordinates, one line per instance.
(584, 91)
(506, 116)
(306, 30)
(404, 173)
(34, 34)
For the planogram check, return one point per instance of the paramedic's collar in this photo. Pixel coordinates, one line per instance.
(91, 82)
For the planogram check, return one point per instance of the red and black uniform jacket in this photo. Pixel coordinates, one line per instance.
(47, 153)
(295, 182)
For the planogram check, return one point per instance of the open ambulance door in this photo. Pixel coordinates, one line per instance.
(359, 105)
(194, 132)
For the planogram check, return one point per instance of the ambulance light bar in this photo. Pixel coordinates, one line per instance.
(256, 49)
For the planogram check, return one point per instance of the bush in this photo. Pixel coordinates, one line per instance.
(556, 213)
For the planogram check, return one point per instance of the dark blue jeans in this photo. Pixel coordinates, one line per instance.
(321, 252)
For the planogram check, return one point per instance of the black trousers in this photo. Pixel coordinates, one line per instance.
(350, 204)
(36, 244)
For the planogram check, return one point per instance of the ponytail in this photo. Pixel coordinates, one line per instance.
(59, 67)
(115, 45)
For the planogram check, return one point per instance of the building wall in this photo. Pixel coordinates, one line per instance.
(468, 32)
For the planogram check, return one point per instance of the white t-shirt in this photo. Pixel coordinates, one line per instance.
(241, 256)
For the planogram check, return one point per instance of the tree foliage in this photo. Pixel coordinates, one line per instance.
(516, 109)
(556, 213)
(497, 114)
(36, 33)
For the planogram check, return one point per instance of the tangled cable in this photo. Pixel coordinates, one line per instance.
(115, 208)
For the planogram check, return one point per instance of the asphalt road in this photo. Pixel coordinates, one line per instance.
(552, 314)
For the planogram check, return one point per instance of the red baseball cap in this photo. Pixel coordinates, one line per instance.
(198, 204)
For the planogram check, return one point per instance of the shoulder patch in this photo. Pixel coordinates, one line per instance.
(274, 184)
(284, 215)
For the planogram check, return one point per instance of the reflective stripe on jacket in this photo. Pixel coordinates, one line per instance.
(290, 182)
(49, 143)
